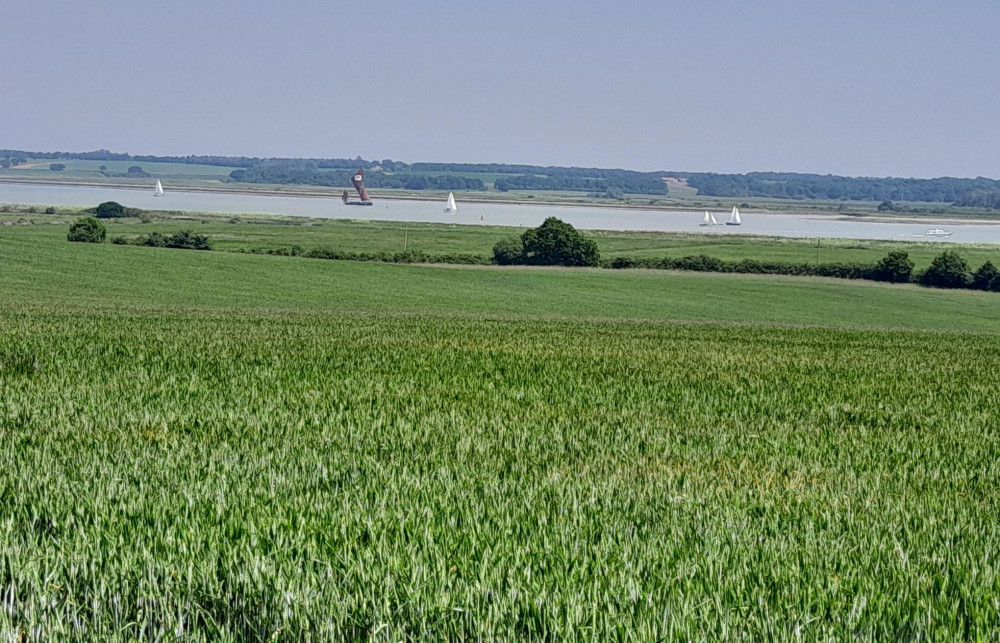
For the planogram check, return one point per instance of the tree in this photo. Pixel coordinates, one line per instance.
(135, 169)
(947, 270)
(57, 167)
(887, 206)
(896, 267)
(110, 210)
(509, 252)
(987, 277)
(87, 230)
(556, 243)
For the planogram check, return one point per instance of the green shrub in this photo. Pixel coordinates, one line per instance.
(987, 277)
(184, 240)
(188, 240)
(896, 267)
(556, 243)
(947, 270)
(50, 210)
(110, 210)
(87, 230)
(153, 240)
(57, 167)
(509, 252)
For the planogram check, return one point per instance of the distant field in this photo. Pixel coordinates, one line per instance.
(222, 446)
(235, 233)
(81, 169)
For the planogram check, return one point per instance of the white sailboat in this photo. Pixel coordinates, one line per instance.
(734, 217)
(937, 232)
(159, 188)
(451, 207)
(709, 220)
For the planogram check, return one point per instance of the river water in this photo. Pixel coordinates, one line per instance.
(591, 218)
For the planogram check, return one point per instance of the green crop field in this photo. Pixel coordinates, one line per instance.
(224, 446)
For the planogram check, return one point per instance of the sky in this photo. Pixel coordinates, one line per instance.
(852, 87)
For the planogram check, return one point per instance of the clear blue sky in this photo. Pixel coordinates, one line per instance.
(891, 87)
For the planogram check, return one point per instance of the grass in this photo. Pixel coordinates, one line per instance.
(256, 232)
(134, 276)
(258, 477)
(220, 446)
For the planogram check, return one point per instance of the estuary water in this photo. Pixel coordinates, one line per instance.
(471, 213)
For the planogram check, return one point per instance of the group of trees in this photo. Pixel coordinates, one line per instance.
(7, 161)
(312, 174)
(778, 185)
(114, 210)
(634, 183)
(950, 270)
(981, 199)
(554, 243)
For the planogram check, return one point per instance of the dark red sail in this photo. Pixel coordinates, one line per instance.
(357, 181)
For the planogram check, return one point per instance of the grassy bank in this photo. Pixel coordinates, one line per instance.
(121, 275)
(264, 233)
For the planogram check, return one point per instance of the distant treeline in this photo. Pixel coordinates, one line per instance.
(781, 185)
(981, 199)
(387, 173)
(310, 174)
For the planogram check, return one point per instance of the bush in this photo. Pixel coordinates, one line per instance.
(895, 267)
(119, 241)
(57, 167)
(50, 210)
(188, 240)
(110, 210)
(153, 240)
(87, 230)
(948, 270)
(556, 243)
(887, 206)
(184, 240)
(987, 277)
(509, 252)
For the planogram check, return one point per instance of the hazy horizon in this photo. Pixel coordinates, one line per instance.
(899, 89)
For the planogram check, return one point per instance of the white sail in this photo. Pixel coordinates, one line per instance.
(159, 188)
(714, 222)
(451, 207)
(707, 220)
(734, 217)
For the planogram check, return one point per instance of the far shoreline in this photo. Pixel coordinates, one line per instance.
(472, 197)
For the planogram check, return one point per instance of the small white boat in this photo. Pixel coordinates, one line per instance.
(159, 188)
(937, 232)
(734, 217)
(451, 207)
(709, 220)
